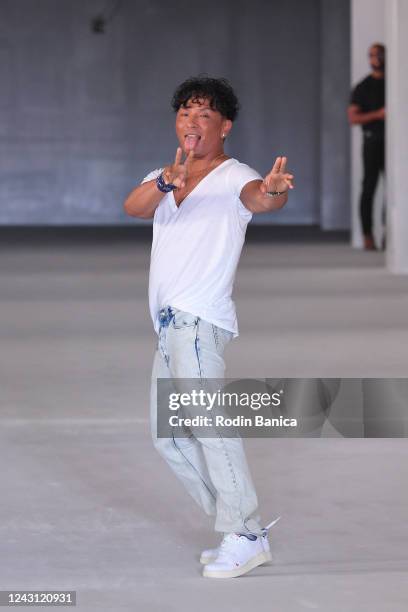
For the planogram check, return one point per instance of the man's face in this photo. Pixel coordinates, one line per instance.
(200, 128)
(376, 58)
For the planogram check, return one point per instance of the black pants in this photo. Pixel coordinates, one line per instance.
(373, 162)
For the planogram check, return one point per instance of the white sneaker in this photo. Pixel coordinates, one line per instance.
(238, 554)
(209, 555)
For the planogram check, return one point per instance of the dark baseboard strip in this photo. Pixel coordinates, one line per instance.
(25, 235)
(295, 233)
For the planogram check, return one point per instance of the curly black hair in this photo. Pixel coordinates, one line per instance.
(218, 92)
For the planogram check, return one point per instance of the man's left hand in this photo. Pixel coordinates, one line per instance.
(277, 179)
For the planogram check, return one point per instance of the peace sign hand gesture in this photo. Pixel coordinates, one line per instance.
(277, 179)
(177, 173)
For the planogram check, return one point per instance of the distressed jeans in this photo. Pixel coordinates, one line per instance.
(214, 471)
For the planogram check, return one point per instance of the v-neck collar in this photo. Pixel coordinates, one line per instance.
(173, 199)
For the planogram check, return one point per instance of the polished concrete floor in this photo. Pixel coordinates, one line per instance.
(88, 505)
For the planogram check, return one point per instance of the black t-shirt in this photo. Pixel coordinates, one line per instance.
(369, 95)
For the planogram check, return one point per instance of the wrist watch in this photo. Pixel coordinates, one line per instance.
(163, 186)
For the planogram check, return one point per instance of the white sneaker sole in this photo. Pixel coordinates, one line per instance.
(204, 560)
(239, 571)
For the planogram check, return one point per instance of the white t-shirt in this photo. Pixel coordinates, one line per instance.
(196, 246)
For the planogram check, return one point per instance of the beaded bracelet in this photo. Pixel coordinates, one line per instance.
(274, 193)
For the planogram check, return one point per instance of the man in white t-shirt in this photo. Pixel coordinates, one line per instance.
(201, 207)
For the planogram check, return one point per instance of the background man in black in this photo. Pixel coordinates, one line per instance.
(367, 108)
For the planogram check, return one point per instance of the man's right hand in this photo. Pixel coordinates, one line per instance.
(145, 198)
(381, 113)
(177, 173)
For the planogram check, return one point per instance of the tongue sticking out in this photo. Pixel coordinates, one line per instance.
(191, 141)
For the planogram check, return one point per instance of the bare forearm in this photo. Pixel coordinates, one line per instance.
(265, 203)
(143, 201)
(357, 118)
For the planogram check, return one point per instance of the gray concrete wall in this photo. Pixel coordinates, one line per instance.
(84, 117)
(334, 127)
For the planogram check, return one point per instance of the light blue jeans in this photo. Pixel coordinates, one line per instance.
(214, 470)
